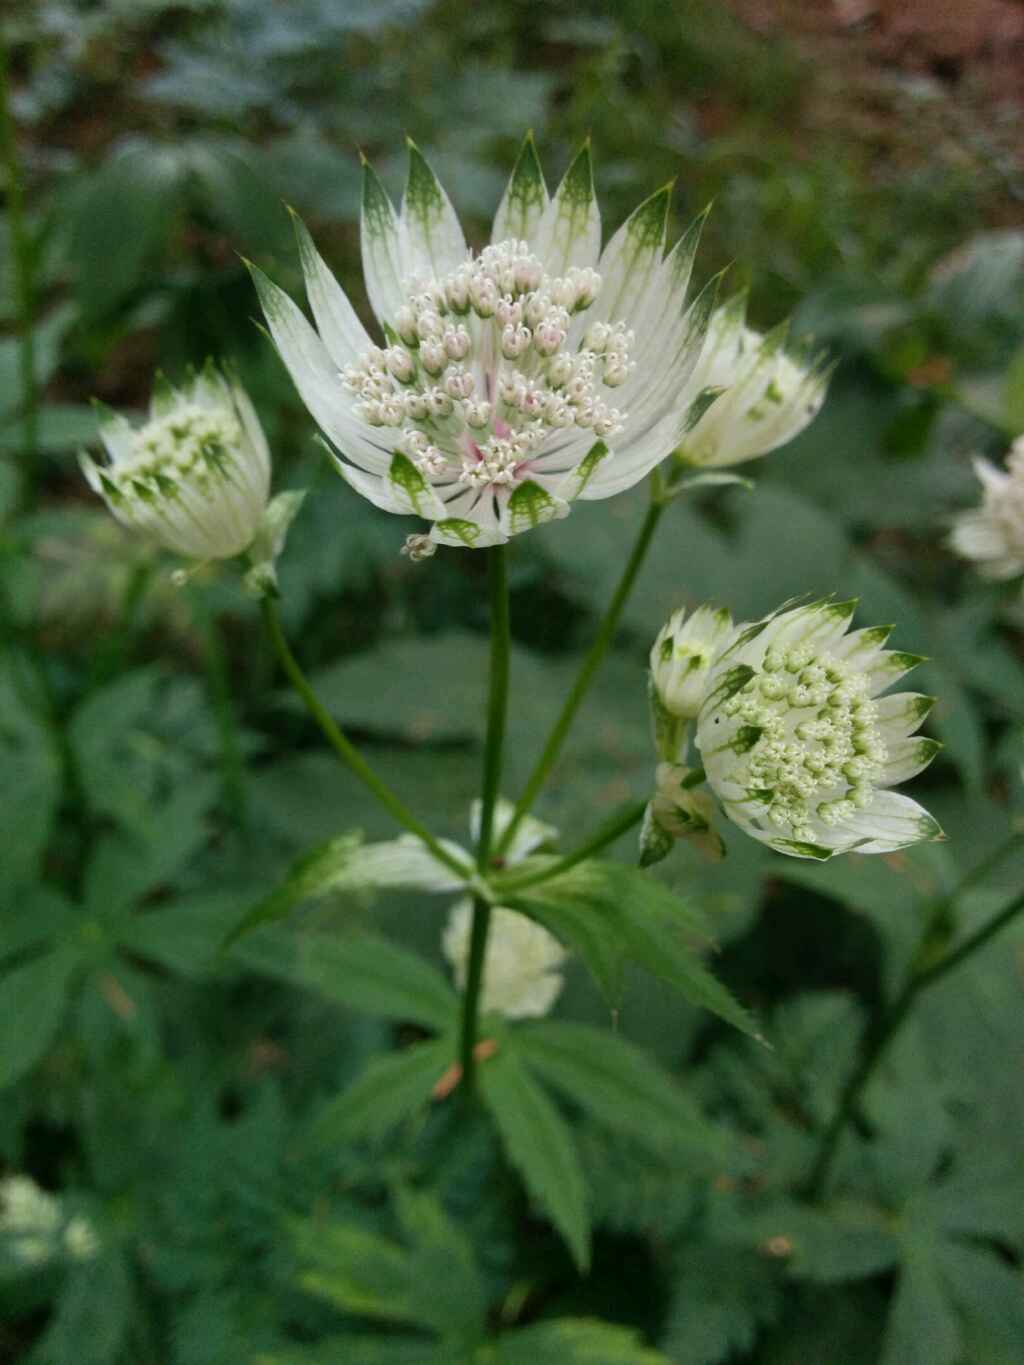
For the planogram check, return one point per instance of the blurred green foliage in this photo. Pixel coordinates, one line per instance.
(177, 1099)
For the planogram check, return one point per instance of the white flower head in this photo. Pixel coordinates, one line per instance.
(797, 743)
(682, 655)
(757, 396)
(509, 382)
(521, 977)
(32, 1222)
(993, 534)
(196, 475)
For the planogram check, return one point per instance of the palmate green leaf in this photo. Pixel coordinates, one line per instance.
(358, 970)
(32, 1000)
(353, 1349)
(432, 1282)
(846, 1241)
(990, 1297)
(575, 1341)
(539, 1144)
(30, 772)
(392, 1088)
(93, 1313)
(607, 911)
(723, 1296)
(923, 1328)
(618, 1085)
(185, 935)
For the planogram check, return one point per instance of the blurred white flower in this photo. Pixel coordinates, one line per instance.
(767, 396)
(993, 534)
(508, 383)
(33, 1225)
(521, 977)
(196, 475)
(682, 655)
(799, 747)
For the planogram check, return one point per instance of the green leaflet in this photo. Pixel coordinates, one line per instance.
(607, 911)
(539, 1144)
(32, 1000)
(392, 1087)
(576, 1341)
(620, 1086)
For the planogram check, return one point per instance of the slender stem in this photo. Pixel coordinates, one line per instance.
(497, 705)
(610, 831)
(219, 682)
(888, 1026)
(599, 648)
(345, 750)
(21, 260)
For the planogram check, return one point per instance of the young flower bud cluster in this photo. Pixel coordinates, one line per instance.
(678, 810)
(682, 655)
(992, 535)
(483, 372)
(196, 475)
(799, 747)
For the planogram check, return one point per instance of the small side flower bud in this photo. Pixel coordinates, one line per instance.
(678, 811)
(681, 659)
(196, 475)
(269, 541)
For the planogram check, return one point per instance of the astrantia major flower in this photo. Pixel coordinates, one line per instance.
(800, 747)
(506, 383)
(768, 395)
(993, 534)
(682, 655)
(196, 475)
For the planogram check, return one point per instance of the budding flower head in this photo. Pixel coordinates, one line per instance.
(757, 395)
(682, 655)
(797, 743)
(992, 535)
(196, 475)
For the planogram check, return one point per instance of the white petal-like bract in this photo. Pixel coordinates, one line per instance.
(521, 979)
(797, 744)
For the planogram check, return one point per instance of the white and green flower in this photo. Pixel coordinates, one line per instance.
(682, 655)
(521, 978)
(799, 746)
(992, 535)
(757, 396)
(507, 383)
(34, 1227)
(196, 475)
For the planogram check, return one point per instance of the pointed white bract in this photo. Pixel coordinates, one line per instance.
(196, 475)
(797, 743)
(992, 535)
(507, 383)
(756, 395)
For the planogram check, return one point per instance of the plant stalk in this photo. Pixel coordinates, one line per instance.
(888, 1026)
(22, 264)
(595, 656)
(344, 748)
(497, 707)
(610, 831)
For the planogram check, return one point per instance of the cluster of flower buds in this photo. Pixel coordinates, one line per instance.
(483, 368)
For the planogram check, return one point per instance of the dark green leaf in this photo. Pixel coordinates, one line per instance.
(539, 1144)
(392, 1088)
(32, 999)
(576, 1341)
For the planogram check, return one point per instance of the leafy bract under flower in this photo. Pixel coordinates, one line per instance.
(196, 475)
(509, 382)
(799, 746)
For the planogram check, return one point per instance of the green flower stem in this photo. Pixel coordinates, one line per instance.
(599, 648)
(21, 261)
(497, 706)
(218, 681)
(888, 1025)
(610, 831)
(345, 750)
